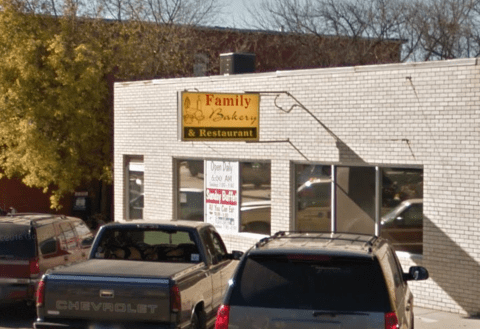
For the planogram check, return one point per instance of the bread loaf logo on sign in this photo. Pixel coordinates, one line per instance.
(220, 117)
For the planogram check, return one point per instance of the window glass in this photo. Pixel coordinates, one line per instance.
(255, 207)
(47, 240)
(313, 197)
(16, 241)
(255, 194)
(148, 245)
(355, 191)
(85, 236)
(219, 247)
(290, 282)
(190, 194)
(70, 240)
(208, 243)
(135, 188)
(402, 208)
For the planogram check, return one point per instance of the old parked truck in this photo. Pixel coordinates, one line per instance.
(171, 274)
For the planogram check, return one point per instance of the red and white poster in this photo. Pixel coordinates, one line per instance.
(222, 195)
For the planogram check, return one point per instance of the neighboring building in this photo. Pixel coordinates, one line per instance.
(14, 194)
(335, 149)
(288, 51)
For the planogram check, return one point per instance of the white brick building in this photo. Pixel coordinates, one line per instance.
(420, 116)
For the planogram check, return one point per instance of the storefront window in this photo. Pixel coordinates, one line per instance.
(135, 170)
(313, 198)
(190, 203)
(255, 202)
(355, 204)
(402, 208)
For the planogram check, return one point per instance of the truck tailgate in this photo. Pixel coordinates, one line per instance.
(111, 291)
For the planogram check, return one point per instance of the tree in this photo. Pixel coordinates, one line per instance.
(54, 111)
(59, 59)
(362, 30)
(446, 28)
(429, 30)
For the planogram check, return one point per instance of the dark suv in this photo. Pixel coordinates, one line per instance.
(32, 243)
(320, 280)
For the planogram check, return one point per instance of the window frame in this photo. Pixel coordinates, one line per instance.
(250, 179)
(378, 197)
(129, 159)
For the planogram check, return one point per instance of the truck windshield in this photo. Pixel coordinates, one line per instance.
(148, 245)
(291, 282)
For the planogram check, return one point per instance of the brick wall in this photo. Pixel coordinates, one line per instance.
(423, 114)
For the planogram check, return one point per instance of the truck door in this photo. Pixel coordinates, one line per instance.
(217, 264)
(228, 266)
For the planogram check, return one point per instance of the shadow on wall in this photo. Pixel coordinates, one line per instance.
(346, 154)
(451, 268)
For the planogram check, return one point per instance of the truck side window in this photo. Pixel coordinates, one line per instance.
(215, 248)
(219, 247)
(208, 243)
(214, 245)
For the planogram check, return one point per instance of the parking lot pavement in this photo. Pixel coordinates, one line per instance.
(431, 319)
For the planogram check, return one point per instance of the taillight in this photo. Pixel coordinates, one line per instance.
(40, 293)
(34, 267)
(175, 301)
(223, 317)
(391, 321)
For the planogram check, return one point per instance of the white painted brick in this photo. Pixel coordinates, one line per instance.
(370, 109)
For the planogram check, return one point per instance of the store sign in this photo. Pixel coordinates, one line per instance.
(219, 117)
(222, 195)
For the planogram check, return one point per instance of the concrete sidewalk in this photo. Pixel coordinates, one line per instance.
(432, 319)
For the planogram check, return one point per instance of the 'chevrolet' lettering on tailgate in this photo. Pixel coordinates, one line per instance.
(106, 307)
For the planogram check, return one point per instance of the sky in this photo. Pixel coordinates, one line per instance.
(235, 11)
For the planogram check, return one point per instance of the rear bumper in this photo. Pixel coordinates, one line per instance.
(85, 324)
(12, 292)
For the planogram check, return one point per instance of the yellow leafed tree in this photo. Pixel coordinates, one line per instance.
(55, 122)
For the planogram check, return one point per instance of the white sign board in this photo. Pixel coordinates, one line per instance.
(222, 195)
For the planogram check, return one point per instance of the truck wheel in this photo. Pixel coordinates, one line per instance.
(197, 323)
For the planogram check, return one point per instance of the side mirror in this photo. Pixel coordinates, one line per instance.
(416, 273)
(236, 255)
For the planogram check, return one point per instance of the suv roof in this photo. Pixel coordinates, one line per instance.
(30, 219)
(333, 243)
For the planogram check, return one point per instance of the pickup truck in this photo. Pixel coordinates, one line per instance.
(170, 274)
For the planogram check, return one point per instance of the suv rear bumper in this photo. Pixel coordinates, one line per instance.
(16, 292)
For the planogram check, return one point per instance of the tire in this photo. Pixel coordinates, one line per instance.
(198, 322)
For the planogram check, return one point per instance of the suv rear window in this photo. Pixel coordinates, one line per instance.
(16, 242)
(311, 283)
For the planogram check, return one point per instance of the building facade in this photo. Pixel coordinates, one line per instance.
(390, 149)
